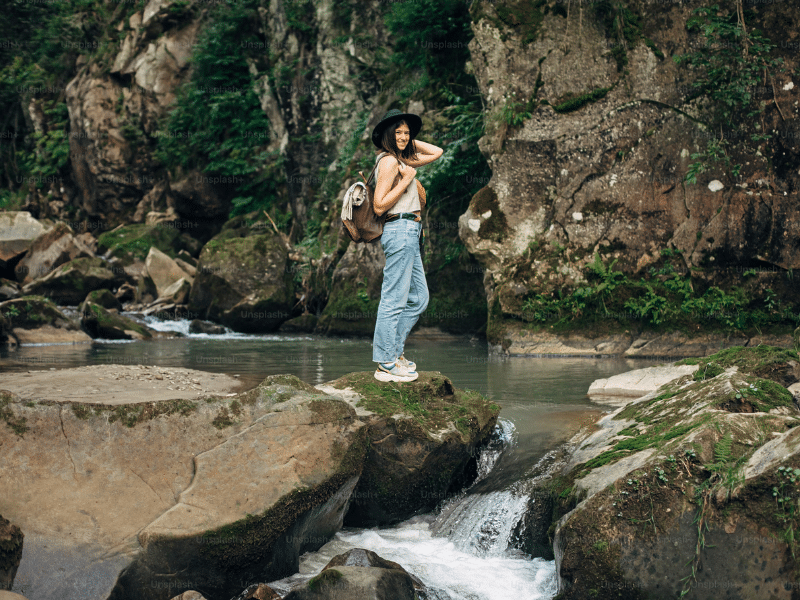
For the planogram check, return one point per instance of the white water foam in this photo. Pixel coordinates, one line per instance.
(448, 571)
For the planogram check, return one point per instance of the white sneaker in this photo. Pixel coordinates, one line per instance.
(396, 373)
(407, 364)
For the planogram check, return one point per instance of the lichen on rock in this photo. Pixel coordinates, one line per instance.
(699, 473)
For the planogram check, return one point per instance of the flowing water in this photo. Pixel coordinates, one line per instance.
(463, 549)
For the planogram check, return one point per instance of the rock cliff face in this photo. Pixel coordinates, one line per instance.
(115, 110)
(590, 129)
(599, 164)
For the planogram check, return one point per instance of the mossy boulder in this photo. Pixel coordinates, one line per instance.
(30, 312)
(352, 306)
(69, 283)
(359, 573)
(244, 283)
(101, 322)
(425, 437)
(11, 539)
(36, 320)
(103, 298)
(692, 483)
(133, 242)
(202, 494)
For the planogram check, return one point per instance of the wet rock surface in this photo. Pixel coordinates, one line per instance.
(11, 541)
(413, 463)
(360, 574)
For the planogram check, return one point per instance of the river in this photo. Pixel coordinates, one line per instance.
(462, 550)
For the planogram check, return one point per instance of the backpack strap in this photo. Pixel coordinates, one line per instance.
(377, 160)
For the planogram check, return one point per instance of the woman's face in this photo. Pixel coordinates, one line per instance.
(402, 135)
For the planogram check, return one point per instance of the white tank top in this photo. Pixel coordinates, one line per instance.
(409, 199)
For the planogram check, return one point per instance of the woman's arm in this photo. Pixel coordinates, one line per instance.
(426, 153)
(387, 196)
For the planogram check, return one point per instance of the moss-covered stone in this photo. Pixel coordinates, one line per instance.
(72, 281)
(134, 241)
(574, 103)
(656, 468)
(351, 310)
(244, 283)
(100, 322)
(103, 298)
(30, 312)
(424, 440)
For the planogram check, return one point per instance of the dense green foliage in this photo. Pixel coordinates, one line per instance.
(431, 37)
(217, 125)
(664, 298)
(35, 66)
(733, 62)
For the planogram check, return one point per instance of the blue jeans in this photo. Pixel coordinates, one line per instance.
(404, 295)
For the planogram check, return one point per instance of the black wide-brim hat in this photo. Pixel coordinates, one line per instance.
(392, 117)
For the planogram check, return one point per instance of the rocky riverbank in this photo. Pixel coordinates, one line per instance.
(689, 488)
(214, 491)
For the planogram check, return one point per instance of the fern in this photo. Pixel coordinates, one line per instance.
(722, 449)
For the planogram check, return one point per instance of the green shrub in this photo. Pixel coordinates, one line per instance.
(217, 125)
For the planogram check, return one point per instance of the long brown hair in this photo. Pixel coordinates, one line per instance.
(389, 142)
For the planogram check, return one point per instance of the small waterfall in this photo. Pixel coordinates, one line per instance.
(463, 552)
(502, 439)
(483, 523)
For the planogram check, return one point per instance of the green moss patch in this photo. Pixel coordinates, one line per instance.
(131, 415)
(30, 312)
(431, 401)
(763, 361)
(326, 578)
(679, 410)
(136, 240)
(102, 323)
(578, 102)
(16, 423)
(757, 395)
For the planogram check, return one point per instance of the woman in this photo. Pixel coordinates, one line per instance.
(404, 295)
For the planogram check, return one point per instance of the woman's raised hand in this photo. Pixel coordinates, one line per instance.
(407, 173)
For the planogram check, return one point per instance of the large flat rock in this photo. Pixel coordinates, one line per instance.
(146, 500)
(119, 384)
(635, 384)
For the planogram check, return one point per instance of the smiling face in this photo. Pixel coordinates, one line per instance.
(402, 135)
